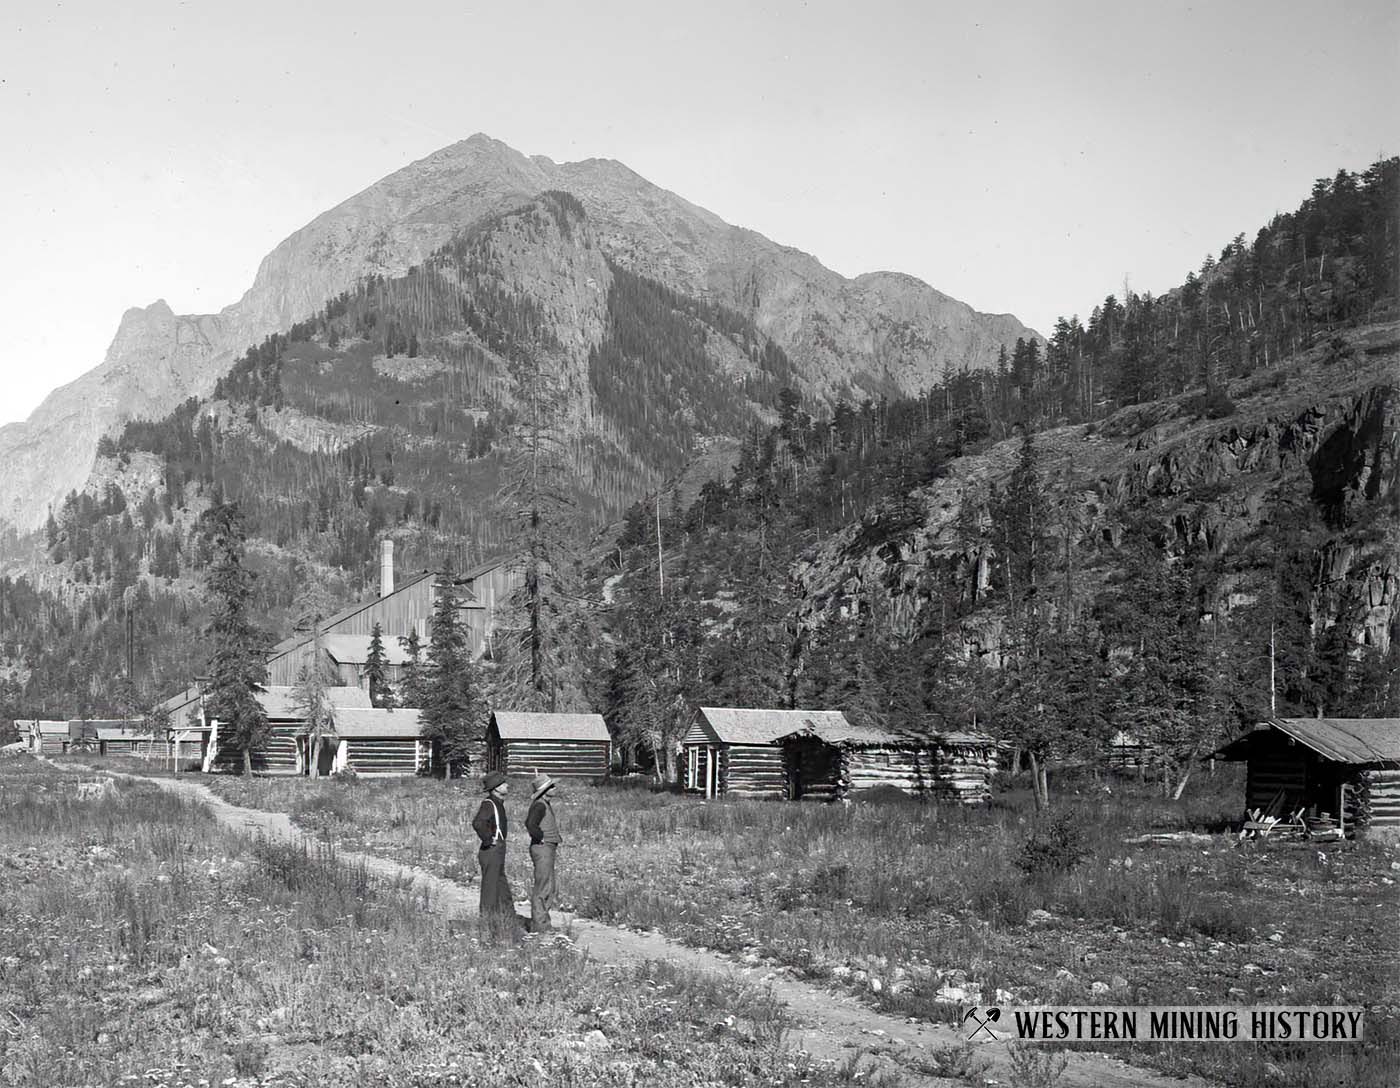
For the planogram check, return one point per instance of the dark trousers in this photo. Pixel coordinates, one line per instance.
(545, 891)
(495, 888)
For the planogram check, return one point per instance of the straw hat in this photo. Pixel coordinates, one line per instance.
(542, 784)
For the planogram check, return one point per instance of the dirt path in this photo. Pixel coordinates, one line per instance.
(831, 1026)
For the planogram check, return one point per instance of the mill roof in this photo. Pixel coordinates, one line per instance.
(518, 725)
(280, 701)
(354, 649)
(736, 725)
(1342, 740)
(357, 721)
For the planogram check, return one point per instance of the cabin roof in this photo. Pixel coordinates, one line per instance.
(518, 725)
(279, 700)
(107, 728)
(735, 725)
(968, 740)
(834, 729)
(1342, 740)
(354, 649)
(355, 721)
(46, 727)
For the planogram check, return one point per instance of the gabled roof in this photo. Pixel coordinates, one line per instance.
(329, 624)
(831, 727)
(732, 725)
(1342, 740)
(354, 649)
(514, 725)
(376, 722)
(279, 700)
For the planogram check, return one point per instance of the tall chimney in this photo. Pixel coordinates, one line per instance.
(386, 567)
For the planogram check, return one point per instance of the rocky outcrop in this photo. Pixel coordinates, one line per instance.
(877, 332)
(1206, 487)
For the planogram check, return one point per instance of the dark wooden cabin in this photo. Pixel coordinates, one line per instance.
(378, 742)
(735, 751)
(287, 750)
(1348, 768)
(829, 759)
(559, 745)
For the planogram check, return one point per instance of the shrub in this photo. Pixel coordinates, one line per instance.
(1053, 848)
(1214, 403)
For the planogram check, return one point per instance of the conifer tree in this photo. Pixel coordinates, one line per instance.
(377, 669)
(238, 665)
(413, 684)
(452, 705)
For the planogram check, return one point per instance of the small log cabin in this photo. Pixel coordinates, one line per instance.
(559, 745)
(1348, 768)
(827, 760)
(287, 751)
(379, 742)
(49, 738)
(129, 738)
(735, 751)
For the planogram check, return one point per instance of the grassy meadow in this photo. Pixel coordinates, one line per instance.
(140, 944)
(920, 908)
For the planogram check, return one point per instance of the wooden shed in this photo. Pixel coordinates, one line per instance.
(731, 750)
(129, 738)
(48, 738)
(559, 745)
(286, 751)
(379, 742)
(828, 759)
(1345, 767)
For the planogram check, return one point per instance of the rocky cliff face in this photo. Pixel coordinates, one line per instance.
(1330, 439)
(881, 331)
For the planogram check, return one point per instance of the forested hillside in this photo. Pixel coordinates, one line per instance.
(1099, 533)
(1111, 535)
(395, 410)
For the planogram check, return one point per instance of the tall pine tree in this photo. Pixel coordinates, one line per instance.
(238, 665)
(453, 709)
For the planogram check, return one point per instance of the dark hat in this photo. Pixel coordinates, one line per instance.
(492, 780)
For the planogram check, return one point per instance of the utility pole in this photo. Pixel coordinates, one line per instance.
(660, 573)
(1273, 704)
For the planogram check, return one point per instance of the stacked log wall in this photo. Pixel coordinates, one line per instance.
(383, 755)
(963, 773)
(556, 758)
(1377, 799)
(909, 769)
(753, 770)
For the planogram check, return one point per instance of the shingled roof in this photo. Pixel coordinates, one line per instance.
(279, 700)
(376, 722)
(517, 725)
(734, 725)
(1342, 740)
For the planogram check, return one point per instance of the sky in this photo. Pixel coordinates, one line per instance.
(1025, 157)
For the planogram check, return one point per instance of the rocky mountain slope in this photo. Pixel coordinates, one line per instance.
(879, 332)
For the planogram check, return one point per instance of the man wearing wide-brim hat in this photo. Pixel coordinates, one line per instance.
(491, 826)
(545, 839)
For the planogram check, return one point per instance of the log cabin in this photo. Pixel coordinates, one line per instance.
(129, 738)
(288, 748)
(49, 738)
(735, 751)
(559, 745)
(828, 760)
(380, 743)
(1347, 768)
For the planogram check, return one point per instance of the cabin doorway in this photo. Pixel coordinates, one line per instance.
(712, 772)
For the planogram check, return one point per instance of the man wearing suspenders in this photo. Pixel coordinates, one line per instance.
(490, 826)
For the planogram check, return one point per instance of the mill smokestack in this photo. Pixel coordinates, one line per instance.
(386, 567)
